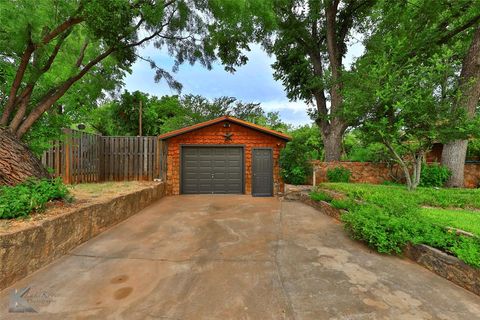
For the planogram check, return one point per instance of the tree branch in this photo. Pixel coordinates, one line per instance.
(67, 24)
(18, 80)
(400, 161)
(56, 93)
(82, 54)
(458, 30)
(55, 51)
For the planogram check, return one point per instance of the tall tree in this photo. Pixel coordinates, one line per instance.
(49, 46)
(310, 44)
(455, 151)
(407, 82)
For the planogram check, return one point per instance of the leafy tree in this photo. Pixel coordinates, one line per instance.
(455, 151)
(406, 89)
(198, 109)
(48, 48)
(357, 148)
(121, 116)
(310, 43)
(419, 34)
(309, 40)
(295, 158)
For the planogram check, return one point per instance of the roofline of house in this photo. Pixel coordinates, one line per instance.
(197, 126)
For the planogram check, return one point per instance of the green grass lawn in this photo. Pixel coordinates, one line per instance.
(444, 198)
(388, 217)
(461, 219)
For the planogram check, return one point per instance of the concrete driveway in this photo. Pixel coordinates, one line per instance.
(235, 257)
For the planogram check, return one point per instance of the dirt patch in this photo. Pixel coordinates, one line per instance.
(83, 195)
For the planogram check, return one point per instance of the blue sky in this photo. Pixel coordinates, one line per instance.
(250, 83)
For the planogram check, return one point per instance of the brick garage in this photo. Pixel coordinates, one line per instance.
(217, 155)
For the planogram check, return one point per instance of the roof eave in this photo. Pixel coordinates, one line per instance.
(201, 125)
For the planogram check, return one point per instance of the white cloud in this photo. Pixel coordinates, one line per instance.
(292, 112)
(278, 105)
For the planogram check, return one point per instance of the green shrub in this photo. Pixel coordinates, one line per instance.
(434, 175)
(339, 174)
(379, 230)
(295, 158)
(467, 250)
(294, 163)
(389, 217)
(294, 175)
(343, 204)
(320, 196)
(32, 195)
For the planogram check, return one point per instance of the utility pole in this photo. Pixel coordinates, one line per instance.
(140, 118)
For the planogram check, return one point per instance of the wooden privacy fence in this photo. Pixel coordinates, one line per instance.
(82, 157)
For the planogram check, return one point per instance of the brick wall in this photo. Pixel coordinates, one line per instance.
(213, 135)
(472, 175)
(365, 172)
(370, 172)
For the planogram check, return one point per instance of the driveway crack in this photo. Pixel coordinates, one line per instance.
(290, 309)
(170, 260)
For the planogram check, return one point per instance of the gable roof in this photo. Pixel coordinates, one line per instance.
(221, 119)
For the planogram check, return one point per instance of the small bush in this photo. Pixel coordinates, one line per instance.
(467, 250)
(379, 230)
(295, 158)
(339, 174)
(295, 164)
(32, 195)
(389, 217)
(320, 196)
(343, 204)
(434, 175)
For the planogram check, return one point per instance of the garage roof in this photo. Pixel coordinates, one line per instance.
(224, 118)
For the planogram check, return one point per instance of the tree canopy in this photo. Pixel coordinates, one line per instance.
(407, 82)
(159, 115)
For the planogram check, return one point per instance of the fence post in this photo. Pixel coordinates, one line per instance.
(157, 158)
(68, 159)
(314, 175)
(100, 159)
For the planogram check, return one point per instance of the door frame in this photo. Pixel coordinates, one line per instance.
(183, 145)
(253, 167)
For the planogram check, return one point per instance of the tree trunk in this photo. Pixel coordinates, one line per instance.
(332, 142)
(17, 162)
(453, 157)
(417, 169)
(454, 152)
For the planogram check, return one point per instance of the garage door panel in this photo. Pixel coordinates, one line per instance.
(212, 170)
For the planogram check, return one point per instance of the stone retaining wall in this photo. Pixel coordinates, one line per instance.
(25, 251)
(446, 266)
(439, 262)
